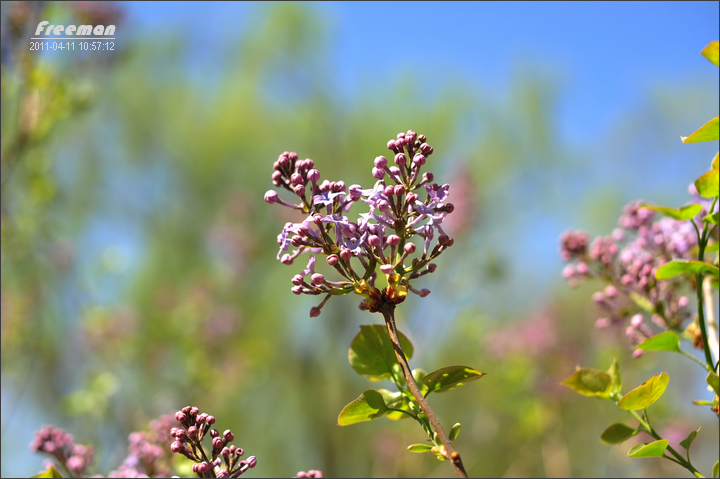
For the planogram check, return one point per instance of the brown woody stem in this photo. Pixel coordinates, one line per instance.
(388, 312)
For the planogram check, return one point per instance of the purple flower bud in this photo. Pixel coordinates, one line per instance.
(176, 447)
(380, 162)
(228, 435)
(296, 289)
(400, 135)
(410, 136)
(251, 461)
(314, 312)
(400, 159)
(297, 280)
(333, 259)
(292, 156)
(393, 240)
(682, 302)
(283, 161)
(386, 268)
(432, 267)
(399, 190)
(339, 186)
(419, 159)
(296, 241)
(211, 419)
(214, 433)
(309, 163)
(426, 149)
(449, 208)
(203, 467)
(195, 468)
(378, 173)
(345, 254)
(636, 320)
(428, 177)
(318, 278)
(222, 474)
(180, 416)
(201, 418)
(422, 138)
(313, 175)
(296, 179)
(424, 292)
(374, 240)
(409, 248)
(411, 198)
(443, 239)
(299, 190)
(276, 176)
(192, 432)
(217, 443)
(355, 192)
(271, 196)
(317, 219)
(391, 145)
(286, 259)
(225, 452)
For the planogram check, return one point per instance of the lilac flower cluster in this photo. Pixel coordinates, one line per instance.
(61, 445)
(380, 238)
(147, 455)
(311, 473)
(628, 260)
(188, 442)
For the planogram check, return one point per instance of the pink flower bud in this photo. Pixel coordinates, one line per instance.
(393, 240)
(380, 162)
(409, 248)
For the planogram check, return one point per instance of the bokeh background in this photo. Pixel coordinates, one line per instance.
(138, 257)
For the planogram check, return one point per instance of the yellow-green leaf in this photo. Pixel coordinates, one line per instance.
(711, 52)
(683, 213)
(370, 405)
(419, 448)
(713, 382)
(51, 472)
(617, 433)
(590, 382)
(683, 266)
(714, 165)
(667, 341)
(646, 394)
(451, 377)
(654, 449)
(707, 184)
(614, 373)
(707, 132)
(371, 352)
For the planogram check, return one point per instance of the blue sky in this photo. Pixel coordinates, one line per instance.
(603, 54)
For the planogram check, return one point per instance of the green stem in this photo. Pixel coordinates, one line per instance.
(405, 412)
(694, 358)
(702, 242)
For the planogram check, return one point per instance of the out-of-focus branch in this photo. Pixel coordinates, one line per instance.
(710, 310)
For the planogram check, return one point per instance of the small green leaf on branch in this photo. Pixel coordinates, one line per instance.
(707, 132)
(716, 469)
(419, 448)
(713, 382)
(707, 184)
(711, 52)
(616, 379)
(715, 162)
(617, 433)
(712, 219)
(685, 443)
(454, 432)
(370, 405)
(646, 394)
(590, 382)
(51, 472)
(667, 341)
(451, 377)
(654, 449)
(683, 213)
(371, 352)
(683, 266)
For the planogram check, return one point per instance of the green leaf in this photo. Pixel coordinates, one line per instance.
(715, 164)
(707, 132)
(617, 433)
(590, 382)
(654, 449)
(615, 378)
(451, 377)
(51, 472)
(687, 442)
(397, 401)
(711, 52)
(419, 448)
(712, 380)
(667, 341)
(371, 352)
(716, 469)
(370, 405)
(454, 432)
(683, 266)
(644, 395)
(683, 213)
(707, 184)
(712, 219)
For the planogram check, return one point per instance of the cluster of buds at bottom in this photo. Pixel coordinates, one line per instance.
(188, 442)
(394, 234)
(60, 444)
(311, 473)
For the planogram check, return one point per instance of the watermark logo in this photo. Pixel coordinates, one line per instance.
(83, 30)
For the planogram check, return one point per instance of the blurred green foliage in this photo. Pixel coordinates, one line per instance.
(139, 271)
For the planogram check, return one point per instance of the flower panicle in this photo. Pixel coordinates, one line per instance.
(403, 214)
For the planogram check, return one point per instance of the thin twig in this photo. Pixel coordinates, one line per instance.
(449, 451)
